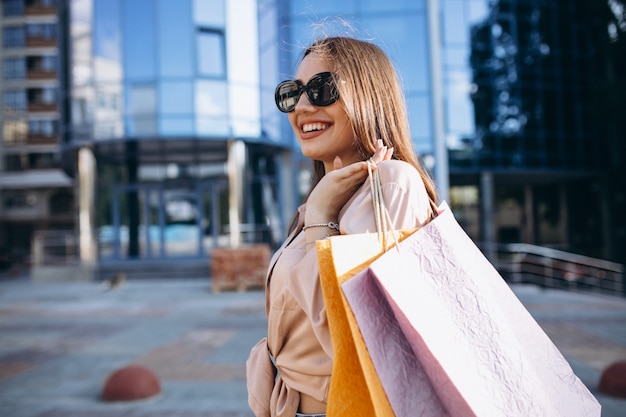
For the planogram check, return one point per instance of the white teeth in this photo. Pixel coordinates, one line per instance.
(309, 127)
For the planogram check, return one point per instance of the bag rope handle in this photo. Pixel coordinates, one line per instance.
(384, 225)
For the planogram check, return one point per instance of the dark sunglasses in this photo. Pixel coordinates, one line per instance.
(321, 91)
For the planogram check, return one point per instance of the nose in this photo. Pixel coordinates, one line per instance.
(303, 103)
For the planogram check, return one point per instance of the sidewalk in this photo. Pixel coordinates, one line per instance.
(59, 342)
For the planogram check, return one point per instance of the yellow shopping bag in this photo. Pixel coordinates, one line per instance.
(355, 389)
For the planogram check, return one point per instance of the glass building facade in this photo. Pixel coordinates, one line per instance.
(167, 94)
(524, 116)
(166, 107)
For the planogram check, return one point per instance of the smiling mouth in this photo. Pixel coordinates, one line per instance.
(313, 127)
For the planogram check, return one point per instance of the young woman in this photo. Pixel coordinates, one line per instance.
(345, 106)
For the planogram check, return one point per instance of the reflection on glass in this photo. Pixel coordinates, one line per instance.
(182, 125)
(322, 7)
(455, 28)
(420, 119)
(208, 13)
(142, 110)
(106, 30)
(139, 39)
(211, 54)
(459, 107)
(404, 39)
(392, 5)
(176, 97)
(175, 31)
(211, 105)
(246, 119)
(108, 111)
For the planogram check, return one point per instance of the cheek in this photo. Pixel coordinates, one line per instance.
(292, 120)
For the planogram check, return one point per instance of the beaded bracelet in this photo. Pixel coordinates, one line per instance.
(331, 225)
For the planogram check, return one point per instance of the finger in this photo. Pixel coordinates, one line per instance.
(338, 163)
(388, 154)
(379, 155)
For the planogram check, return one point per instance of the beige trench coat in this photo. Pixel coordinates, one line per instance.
(298, 335)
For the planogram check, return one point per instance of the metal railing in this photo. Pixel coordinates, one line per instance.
(546, 267)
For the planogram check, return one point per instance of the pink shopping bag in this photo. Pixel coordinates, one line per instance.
(445, 332)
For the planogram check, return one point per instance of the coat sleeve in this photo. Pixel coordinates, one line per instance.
(404, 195)
(259, 379)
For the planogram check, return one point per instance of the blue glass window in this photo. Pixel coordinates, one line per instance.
(211, 55)
(176, 98)
(455, 26)
(176, 126)
(106, 31)
(13, 8)
(14, 100)
(211, 107)
(392, 5)
(141, 120)
(139, 39)
(321, 7)
(459, 108)
(174, 36)
(14, 69)
(14, 37)
(42, 30)
(209, 13)
(420, 118)
(405, 41)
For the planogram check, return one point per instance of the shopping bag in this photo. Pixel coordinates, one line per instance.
(355, 387)
(459, 330)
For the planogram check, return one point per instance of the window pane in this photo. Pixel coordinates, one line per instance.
(13, 37)
(392, 5)
(175, 31)
(405, 41)
(176, 98)
(139, 39)
(321, 7)
(420, 118)
(455, 27)
(211, 105)
(211, 54)
(176, 126)
(209, 13)
(13, 7)
(14, 101)
(14, 69)
(106, 34)
(142, 110)
(14, 131)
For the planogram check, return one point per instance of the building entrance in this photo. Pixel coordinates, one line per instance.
(159, 221)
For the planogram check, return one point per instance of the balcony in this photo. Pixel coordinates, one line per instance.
(40, 42)
(42, 107)
(40, 139)
(39, 74)
(39, 8)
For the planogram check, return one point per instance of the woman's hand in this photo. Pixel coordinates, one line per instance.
(335, 189)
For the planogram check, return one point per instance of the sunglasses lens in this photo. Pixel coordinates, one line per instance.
(287, 95)
(320, 90)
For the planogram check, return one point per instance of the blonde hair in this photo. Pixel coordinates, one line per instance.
(372, 97)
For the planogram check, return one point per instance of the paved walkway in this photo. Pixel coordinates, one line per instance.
(59, 342)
